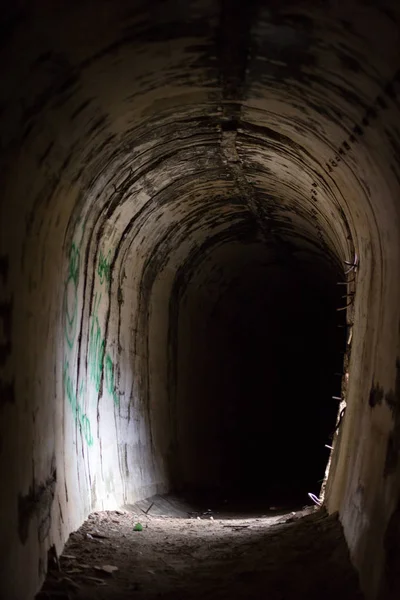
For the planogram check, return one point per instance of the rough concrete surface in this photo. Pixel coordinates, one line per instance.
(209, 555)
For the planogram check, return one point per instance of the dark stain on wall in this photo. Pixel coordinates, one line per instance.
(45, 154)
(66, 83)
(37, 502)
(376, 395)
(81, 108)
(392, 454)
(97, 125)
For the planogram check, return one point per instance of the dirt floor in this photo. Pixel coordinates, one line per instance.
(182, 553)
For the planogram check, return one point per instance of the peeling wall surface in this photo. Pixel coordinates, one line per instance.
(156, 159)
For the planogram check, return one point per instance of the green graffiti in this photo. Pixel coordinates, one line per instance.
(71, 319)
(71, 296)
(97, 361)
(87, 434)
(96, 348)
(109, 377)
(103, 269)
(73, 400)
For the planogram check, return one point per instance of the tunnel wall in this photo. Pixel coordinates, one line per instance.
(125, 140)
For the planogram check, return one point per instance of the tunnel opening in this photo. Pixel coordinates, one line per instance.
(181, 185)
(258, 365)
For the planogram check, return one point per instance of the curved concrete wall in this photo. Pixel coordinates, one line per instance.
(138, 142)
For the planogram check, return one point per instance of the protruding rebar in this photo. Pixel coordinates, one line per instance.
(315, 499)
(354, 262)
(344, 307)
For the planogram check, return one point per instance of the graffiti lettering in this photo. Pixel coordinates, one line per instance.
(71, 323)
(109, 377)
(97, 361)
(96, 347)
(103, 268)
(76, 406)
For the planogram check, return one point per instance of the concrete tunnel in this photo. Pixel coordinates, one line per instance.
(199, 250)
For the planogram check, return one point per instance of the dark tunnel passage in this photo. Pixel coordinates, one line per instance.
(261, 347)
(199, 258)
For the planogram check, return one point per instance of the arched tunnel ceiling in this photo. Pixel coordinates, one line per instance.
(256, 102)
(141, 139)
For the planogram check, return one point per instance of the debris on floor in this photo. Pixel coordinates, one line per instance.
(107, 569)
(276, 556)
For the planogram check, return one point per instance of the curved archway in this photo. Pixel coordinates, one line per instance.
(154, 162)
